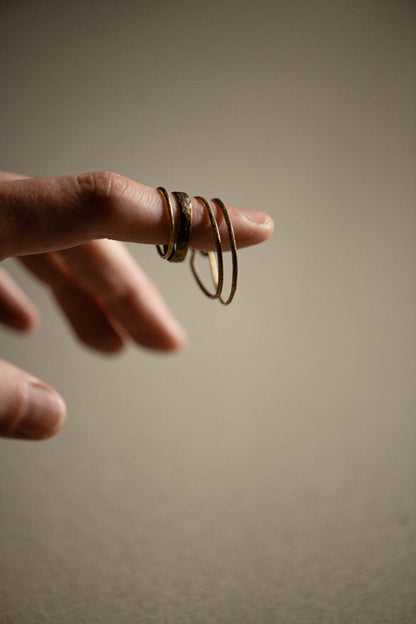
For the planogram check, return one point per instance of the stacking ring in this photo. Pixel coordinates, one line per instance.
(166, 250)
(185, 226)
(217, 269)
(233, 248)
(176, 252)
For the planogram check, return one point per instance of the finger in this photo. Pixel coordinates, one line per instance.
(9, 175)
(91, 323)
(45, 214)
(86, 316)
(107, 270)
(29, 408)
(16, 310)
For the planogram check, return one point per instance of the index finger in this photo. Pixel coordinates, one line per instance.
(49, 214)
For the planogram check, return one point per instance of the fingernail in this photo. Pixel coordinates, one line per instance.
(45, 412)
(258, 218)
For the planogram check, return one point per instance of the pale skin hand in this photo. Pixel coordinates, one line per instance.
(65, 231)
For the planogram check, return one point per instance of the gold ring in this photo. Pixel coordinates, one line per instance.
(185, 226)
(176, 252)
(233, 247)
(217, 269)
(165, 251)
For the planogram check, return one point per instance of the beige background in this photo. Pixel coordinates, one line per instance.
(267, 474)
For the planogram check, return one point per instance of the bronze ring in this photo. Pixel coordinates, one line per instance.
(177, 252)
(185, 226)
(165, 251)
(233, 247)
(217, 268)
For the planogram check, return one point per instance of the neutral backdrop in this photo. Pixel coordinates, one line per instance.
(268, 473)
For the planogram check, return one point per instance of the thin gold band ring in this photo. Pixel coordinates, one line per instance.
(233, 248)
(217, 269)
(165, 251)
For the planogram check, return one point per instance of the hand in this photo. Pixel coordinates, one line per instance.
(59, 228)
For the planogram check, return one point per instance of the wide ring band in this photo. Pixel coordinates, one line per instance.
(185, 226)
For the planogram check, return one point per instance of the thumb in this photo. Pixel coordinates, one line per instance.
(29, 408)
(49, 214)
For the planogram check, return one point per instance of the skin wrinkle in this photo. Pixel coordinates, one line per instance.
(105, 190)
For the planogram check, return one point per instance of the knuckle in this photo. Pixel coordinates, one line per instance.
(121, 295)
(102, 192)
(101, 185)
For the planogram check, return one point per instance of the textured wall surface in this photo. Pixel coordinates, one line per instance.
(268, 473)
